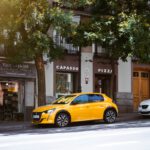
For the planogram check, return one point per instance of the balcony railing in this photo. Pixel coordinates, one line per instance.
(70, 49)
(66, 44)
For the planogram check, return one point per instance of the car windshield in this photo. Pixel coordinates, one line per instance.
(64, 99)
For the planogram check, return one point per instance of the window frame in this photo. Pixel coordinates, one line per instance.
(88, 101)
(95, 101)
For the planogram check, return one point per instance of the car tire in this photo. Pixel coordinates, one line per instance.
(110, 116)
(62, 120)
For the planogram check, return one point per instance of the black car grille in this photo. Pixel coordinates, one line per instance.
(36, 113)
(144, 106)
(144, 113)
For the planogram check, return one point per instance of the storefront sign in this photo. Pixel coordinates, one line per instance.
(17, 70)
(67, 68)
(108, 71)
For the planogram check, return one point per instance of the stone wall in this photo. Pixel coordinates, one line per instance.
(125, 102)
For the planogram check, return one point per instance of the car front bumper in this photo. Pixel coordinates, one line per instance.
(143, 111)
(146, 113)
(42, 118)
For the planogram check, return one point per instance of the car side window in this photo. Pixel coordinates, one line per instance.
(95, 98)
(82, 99)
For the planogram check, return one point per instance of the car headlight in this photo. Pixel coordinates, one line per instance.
(50, 111)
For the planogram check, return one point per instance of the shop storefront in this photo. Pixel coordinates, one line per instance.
(17, 90)
(102, 76)
(66, 75)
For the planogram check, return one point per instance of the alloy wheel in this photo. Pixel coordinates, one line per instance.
(110, 116)
(62, 120)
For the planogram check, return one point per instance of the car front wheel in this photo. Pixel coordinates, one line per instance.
(62, 120)
(110, 116)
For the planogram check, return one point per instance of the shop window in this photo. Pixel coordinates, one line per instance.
(64, 84)
(9, 99)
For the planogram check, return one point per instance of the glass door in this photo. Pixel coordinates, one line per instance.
(64, 84)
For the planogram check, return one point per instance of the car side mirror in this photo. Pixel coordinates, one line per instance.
(74, 103)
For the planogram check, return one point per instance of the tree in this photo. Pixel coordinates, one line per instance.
(27, 35)
(26, 31)
(118, 26)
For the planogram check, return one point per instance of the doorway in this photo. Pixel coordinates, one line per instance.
(102, 84)
(141, 87)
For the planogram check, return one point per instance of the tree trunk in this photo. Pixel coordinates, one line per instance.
(39, 62)
(113, 81)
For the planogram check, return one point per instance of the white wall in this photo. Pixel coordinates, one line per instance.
(49, 77)
(29, 93)
(86, 71)
(124, 76)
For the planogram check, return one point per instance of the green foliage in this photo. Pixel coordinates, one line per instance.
(79, 36)
(121, 27)
(27, 24)
(26, 31)
(74, 3)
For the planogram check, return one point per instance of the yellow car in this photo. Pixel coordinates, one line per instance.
(76, 107)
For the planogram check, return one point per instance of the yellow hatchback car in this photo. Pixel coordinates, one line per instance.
(76, 107)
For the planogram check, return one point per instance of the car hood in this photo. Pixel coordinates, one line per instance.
(145, 102)
(47, 107)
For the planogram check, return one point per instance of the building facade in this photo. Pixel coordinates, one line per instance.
(17, 90)
(86, 70)
(93, 70)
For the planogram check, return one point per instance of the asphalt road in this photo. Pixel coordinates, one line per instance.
(119, 136)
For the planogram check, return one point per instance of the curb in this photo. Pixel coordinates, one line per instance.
(6, 126)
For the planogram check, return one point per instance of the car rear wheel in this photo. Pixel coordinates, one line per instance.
(62, 120)
(110, 116)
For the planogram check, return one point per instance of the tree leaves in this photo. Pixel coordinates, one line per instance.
(121, 27)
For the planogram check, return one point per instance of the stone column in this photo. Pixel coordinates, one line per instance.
(124, 95)
(87, 69)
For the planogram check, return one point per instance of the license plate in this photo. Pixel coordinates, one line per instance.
(36, 116)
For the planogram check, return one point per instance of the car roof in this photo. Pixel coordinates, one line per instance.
(81, 93)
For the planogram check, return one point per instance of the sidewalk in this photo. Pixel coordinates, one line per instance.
(128, 117)
(21, 125)
(14, 125)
